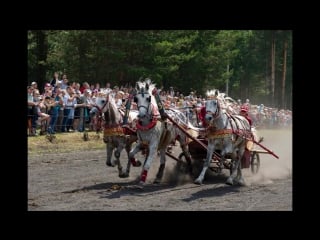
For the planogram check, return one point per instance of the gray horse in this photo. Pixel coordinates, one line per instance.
(226, 133)
(115, 135)
(154, 134)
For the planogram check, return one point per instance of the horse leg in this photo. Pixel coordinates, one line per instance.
(128, 145)
(235, 165)
(221, 160)
(239, 178)
(207, 162)
(109, 148)
(132, 160)
(161, 167)
(147, 163)
(126, 173)
(131, 155)
(117, 154)
(187, 154)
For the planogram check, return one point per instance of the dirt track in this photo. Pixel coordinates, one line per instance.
(81, 181)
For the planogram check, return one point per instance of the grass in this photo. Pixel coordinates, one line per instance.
(65, 142)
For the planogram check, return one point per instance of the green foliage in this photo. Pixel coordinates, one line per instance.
(186, 59)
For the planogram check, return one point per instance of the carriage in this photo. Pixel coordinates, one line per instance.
(198, 153)
(199, 148)
(228, 142)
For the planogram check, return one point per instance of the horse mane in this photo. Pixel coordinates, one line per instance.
(142, 85)
(115, 116)
(216, 94)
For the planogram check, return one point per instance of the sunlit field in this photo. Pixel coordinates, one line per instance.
(65, 142)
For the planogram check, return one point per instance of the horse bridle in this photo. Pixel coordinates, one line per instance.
(105, 104)
(146, 107)
(216, 114)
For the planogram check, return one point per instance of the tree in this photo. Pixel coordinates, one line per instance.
(255, 64)
(38, 47)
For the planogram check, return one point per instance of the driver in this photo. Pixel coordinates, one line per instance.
(244, 112)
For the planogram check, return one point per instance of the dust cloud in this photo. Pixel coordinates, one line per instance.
(172, 174)
(277, 140)
(271, 168)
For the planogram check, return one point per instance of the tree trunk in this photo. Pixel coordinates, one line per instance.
(82, 59)
(42, 50)
(273, 53)
(284, 71)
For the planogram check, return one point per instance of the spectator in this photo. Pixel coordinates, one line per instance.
(97, 87)
(31, 112)
(171, 92)
(108, 87)
(85, 85)
(248, 104)
(59, 122)
(54, 108)
(34, 85)
(47, 87)
(68, 102)
(43, 118)
(65, 82)
(89, 104)
(78, 109)
(119, 99)
(55, 79)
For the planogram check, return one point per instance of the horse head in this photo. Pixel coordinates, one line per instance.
(212, 105)
(144, 100)
(107, 107)
(101, 102)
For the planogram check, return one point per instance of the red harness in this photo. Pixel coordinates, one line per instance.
(147, 127)
(155, 113)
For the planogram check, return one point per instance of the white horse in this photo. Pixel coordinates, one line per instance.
(152, 133)
(115, 136)
(223, 134)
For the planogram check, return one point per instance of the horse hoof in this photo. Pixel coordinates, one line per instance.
(109, 164)
(229, 181)
(142, 183)
(241, 182)
(156, 181)
(198, 181)
(138, 164)
(135, 163)
(123, 175)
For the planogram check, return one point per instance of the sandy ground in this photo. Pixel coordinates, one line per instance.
(80, 181)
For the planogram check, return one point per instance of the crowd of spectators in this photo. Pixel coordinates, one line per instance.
(68, 107)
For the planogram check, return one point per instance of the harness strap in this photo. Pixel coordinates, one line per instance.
(147, 127)
(239, 132)
(113, 131)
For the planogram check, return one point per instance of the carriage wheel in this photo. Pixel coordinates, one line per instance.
(255, 162)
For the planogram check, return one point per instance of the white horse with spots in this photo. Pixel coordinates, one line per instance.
(153, 134)
(223, 134)
(115, 135)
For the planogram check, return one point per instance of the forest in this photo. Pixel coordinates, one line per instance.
(253, 64)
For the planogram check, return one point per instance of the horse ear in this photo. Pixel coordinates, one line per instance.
(216, 93)
(147, 86)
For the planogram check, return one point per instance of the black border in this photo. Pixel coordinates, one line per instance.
(18, 53)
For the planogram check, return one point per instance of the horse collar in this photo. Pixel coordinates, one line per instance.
(147, 127)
